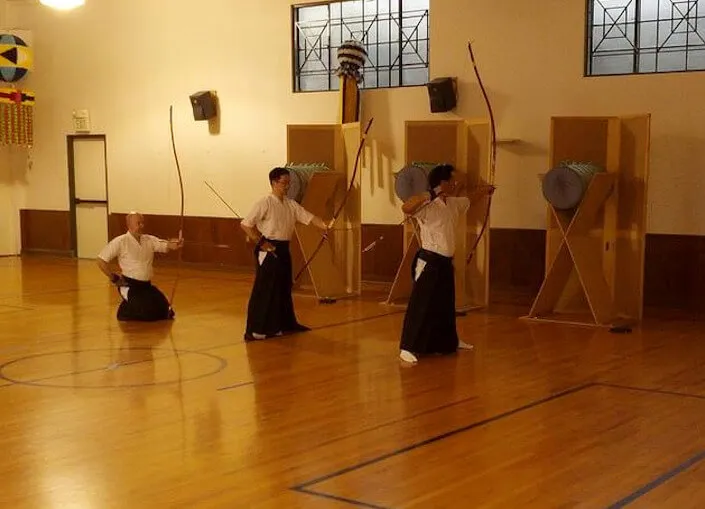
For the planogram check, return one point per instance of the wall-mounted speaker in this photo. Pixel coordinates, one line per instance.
(204, 105)
(441, 94)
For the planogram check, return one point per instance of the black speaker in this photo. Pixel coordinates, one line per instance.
(441, 94)
(204, 106)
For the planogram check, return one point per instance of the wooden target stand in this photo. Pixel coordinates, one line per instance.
(467, 146)
(595, 253)
(335, 270)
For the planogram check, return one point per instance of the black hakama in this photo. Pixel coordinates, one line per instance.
(271, 307)
(144, 303)
(429, 323)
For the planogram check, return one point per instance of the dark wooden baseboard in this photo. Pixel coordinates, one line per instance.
(208, 240)
(385, 249)
(674, 275)
(46, 231)
(517, 261)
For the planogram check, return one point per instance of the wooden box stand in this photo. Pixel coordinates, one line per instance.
(335, 270)
(595, 253)
(466, 145)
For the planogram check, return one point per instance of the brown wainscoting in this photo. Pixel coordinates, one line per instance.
(674, 274)
(208, 240)
(220, 241)
(674, 270)
(381, 261)
(46, 231)
(517, 260)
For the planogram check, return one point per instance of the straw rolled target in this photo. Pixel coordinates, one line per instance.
(412, 179)
(565, 186)
(300, 175)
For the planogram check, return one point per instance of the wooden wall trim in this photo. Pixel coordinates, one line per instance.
(46, 231)
(674, 272)
(516, 269)
(517, 264)
(208, 240)
(381, 261)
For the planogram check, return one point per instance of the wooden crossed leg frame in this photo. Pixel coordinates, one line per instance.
(581, 251)
(595, 253)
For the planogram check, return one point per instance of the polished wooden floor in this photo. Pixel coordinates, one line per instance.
(184, 415)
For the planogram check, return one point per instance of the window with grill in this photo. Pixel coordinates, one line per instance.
(394, 33)
(644, 36)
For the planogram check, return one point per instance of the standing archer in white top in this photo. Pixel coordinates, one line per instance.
(429, 323)
(270, 225)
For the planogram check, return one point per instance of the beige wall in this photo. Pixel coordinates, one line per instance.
(12, 185)
(128, 60)
(533, 70)
(12, 188)
(6, 209)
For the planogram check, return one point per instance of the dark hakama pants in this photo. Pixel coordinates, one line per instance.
(271, 307)
(429, 323)
(144, 303)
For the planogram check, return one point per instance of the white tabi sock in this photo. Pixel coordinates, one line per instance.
(408, 357)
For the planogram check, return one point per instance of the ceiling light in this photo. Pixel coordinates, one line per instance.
(62, 5)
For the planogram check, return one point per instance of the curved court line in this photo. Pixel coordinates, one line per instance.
(222, 364)
(201, 351)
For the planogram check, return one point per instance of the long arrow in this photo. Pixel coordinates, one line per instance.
(223, 200)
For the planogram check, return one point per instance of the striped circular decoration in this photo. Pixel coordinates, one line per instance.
(352, 56)
(16, 58)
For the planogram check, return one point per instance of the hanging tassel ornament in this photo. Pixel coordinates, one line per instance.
(352, 56)
(16, 117)
(351, 60)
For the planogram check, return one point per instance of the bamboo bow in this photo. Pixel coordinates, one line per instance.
(181, 215)
(493, 154)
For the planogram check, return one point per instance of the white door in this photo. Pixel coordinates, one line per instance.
(90, 195)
